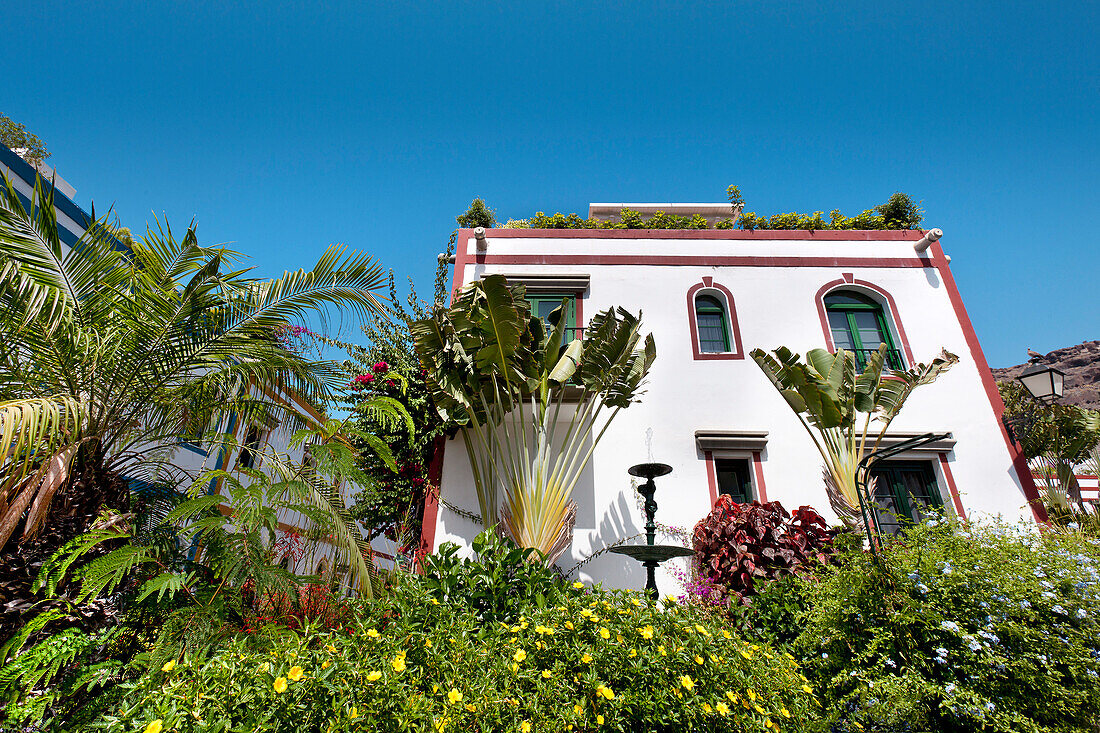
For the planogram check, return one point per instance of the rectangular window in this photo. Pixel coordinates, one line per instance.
(250, 450)
(543, 304)
(734, 478)
(904, 492)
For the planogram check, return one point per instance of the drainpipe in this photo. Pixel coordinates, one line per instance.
(922, 244)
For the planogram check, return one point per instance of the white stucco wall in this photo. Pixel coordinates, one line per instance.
(775, 305)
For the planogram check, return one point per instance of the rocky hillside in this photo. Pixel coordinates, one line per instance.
(1082, 367)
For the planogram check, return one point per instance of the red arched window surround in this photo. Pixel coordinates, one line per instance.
(849, 279)
(731, 313)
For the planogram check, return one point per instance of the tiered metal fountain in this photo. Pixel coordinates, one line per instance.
(651, 555)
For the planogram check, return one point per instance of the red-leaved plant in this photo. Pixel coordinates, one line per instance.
(737, 543)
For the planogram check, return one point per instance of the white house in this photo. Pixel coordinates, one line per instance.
(711, 296)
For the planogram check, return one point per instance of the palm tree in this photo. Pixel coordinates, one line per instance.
(112, 355)
(836, 405)
(495, 370)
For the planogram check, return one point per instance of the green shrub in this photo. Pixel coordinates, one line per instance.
(598, 661)
(993, 628)
(500, 583)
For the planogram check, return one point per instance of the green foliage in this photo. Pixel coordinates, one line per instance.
(899, 212)
(500, 583)
(836, 405)
(957, 628)
(1056, 439)
(598, 661)
(155, 345)
(478, 215)
(15, 136)
(392, 503)
(485, 355)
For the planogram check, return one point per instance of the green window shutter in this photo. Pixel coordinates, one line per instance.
(904, 492)
(542, 305)
(711, 325)
(857, 324)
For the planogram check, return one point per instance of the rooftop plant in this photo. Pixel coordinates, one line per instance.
(899, 212)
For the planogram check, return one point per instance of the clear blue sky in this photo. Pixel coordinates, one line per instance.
(283, 129)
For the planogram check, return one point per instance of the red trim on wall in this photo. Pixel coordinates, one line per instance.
(758, 470)
(822, 235)
(1019, 462)
(731, 316)
(481, 258)
(951, 487)
(712, 479)
(431, 499)
(890, 304)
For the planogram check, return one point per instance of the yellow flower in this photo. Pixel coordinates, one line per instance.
(686, 682)
(295, 673)
(752, 695)
(264, 667)
(636, 602)
(373, 633)
(577, 709)
(578, 585)
(519, 656)
(701, 630)
(633, 652)
(586, 658)
(807, 688)
(525, 726)
(726, 634)
(355, 712)
(786, 712)
(661, 649)
(168, 666)
(599, 720)
(547, 674)
(374, 676)
(768, 723)
(604, 633)
(619, 638)
(398, 663)
(569, 625)
(646, 631)
(698, 659)
(155, 727)
(454, 696)
(435, 602)
(470, 707)
(759, 709)
(332, 650)
(722, 708)
(280, 685)
(707, 708)
(326, 664)
(745, 654)
(731, 696)
(605, 691)
(515, 667)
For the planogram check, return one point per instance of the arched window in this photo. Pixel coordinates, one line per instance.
(857, 324)
(712, 319)
(712, 324)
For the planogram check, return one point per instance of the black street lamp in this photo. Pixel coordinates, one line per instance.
(1044, 383)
